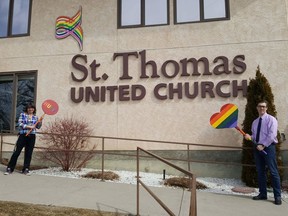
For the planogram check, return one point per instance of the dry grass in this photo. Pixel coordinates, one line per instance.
(108, 175)
(183, 182)
(23, 209)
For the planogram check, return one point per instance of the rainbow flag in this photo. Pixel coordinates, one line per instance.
(66, 26)
(227, 118)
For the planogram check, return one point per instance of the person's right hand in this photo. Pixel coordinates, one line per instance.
(247, 137)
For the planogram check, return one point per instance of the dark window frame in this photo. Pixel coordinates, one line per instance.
(15, 75)
(142, 16)
(10, 21)
(202, 19)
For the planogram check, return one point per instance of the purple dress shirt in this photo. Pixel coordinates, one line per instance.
(268, 131)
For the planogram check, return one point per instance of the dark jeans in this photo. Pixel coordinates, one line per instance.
(23, 141)
(268, 160)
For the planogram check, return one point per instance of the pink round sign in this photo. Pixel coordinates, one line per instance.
(50, 107)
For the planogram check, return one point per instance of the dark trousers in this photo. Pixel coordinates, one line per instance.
(23, 141)
(262, 160)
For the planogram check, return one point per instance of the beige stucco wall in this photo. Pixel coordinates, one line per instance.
(257, 29)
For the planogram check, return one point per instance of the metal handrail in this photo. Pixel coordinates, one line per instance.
(192, 185)
(103, 153)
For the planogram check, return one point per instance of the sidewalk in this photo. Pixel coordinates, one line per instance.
(115, 197)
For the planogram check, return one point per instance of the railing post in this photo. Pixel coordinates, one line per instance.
(138, 182)
(188, 161)
(193, 204)
(1, 146)
(102, 167)
(188, 157)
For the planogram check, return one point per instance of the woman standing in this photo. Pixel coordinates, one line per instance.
(26, 122)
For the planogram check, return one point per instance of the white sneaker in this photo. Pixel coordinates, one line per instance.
(8, 171)
(26, 172)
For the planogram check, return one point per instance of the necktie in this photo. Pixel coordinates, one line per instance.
(258, 130)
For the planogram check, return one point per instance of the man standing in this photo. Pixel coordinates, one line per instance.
(264, 133)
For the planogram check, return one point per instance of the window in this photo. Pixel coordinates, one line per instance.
(16, 90)
(15, 16)
(187, 11)
(140, 13)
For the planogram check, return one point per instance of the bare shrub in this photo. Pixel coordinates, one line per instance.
(108, 175)
(67, 143)
(182, 182)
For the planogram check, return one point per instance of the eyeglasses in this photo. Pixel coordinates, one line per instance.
(261, 106)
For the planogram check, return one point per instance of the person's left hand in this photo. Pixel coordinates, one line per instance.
(31, 127)
(260, 147)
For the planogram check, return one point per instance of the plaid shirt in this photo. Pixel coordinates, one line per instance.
(24, 121)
